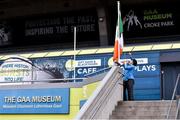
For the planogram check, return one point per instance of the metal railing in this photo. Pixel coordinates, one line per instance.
(21, 70)
(170, 106)
(98, 72)
(177, 116)
(104, 99)
(31, 76)
(46, 80)
(52, 83)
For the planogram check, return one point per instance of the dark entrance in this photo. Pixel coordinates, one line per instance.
(169, 72)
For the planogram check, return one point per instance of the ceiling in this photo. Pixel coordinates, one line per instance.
(16, 3)
(11, 8)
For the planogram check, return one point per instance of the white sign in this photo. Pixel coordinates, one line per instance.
(17, 69)
(139, 60)
(88, 63)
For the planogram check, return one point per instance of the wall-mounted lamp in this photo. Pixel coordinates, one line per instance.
(101, 19)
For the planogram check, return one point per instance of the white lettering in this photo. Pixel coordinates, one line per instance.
(167, 23)
(84, 28)
(39, 31)
(146, 68)
(86, 70)
(23, 99)
(62, 29)
(153, 68)
(151, 25)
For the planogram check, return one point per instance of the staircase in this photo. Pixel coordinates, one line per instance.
(143, 110)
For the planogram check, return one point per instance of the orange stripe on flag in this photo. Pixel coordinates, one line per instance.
(117, 51)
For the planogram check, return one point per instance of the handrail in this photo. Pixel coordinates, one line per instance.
(61, 84)
(104, 98)
(86, 76)
(175, 88)
(96, 72)
(45, 80)
(177, 110)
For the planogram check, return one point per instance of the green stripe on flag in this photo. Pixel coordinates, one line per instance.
(120, 24)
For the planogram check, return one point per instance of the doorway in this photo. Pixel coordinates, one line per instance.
(169, 73)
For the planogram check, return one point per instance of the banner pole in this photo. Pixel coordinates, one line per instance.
(74, 54)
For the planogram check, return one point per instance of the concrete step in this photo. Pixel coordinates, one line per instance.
(149, 108)
(141, 117)
(136, 112)
(147, 103)
(143, 110)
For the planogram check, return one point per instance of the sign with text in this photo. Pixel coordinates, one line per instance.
(150, 20)
(55, 28)
(34, 101)
(147, 72)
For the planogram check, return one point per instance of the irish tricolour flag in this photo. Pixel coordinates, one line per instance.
(119, 42)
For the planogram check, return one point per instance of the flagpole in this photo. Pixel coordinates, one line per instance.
(118, 8)
(74, 53)
(119, 42)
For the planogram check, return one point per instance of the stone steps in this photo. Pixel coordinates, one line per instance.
(143, 110)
